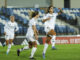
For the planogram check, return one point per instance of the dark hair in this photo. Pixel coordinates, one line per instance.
(35, 13)
(49, 8)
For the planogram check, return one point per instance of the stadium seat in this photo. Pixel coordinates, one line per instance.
(1, 29)
(24, 30)
(25, 21)
(38, 27)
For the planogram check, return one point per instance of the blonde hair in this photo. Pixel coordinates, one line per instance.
(33, 14)
(30, 14)
(11, 16)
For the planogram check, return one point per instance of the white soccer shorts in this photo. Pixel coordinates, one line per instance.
(9, 36)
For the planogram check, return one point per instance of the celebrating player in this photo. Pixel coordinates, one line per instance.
(32, 35)
(9, 29)
(49, 24)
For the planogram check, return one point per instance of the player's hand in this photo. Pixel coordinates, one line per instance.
(37, 33)
(4, 33)
(59, 8)
(48, 18)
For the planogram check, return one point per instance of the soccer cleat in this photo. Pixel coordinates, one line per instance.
(32, 58)
(18, 52)
(43, 56)
(53, 48)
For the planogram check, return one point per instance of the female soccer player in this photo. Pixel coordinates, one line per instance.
(32, 35)
(49, 24)
(9, 29)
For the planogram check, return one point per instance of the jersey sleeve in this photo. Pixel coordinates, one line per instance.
(5, 27)
(33, 22)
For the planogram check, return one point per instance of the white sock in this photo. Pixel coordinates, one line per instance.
(53, 41)
(33, 51)
(25, 48)
(9, 47)
(45, 48)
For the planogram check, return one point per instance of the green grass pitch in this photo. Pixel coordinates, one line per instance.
(63, 52)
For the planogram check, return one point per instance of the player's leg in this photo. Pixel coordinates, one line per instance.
(11, 37)
(53, 35)
(46, 45)
(5, 44)
(9, 46)
(33, 49)
(7, 40)
(24, 48)
(29, 41)
(53, 41)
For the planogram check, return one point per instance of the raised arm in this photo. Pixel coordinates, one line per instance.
(44, 20)
(60, 12)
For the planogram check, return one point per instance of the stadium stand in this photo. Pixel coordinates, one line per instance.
(22, 17)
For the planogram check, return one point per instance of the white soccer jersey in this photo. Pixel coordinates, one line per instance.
(50, 24)
(30, 32)
(10, 27)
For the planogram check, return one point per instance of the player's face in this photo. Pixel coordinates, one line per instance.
(51, 10)
(12, 18)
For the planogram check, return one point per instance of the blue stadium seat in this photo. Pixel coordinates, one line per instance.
(2, 17)
(70, 17)
(64, 29)
(26, 13)
(2, 30)
(42, 11)
(67, 17)
(41, 30)
(56, 10)
(20, 30)
(38, 27)
(63, 15)
(7, 19)
(9, 11)
(24, 30)
(71, 30)
(20, 19)
(3, 10)
(0, 9)
(16, 16)
(25, 21)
